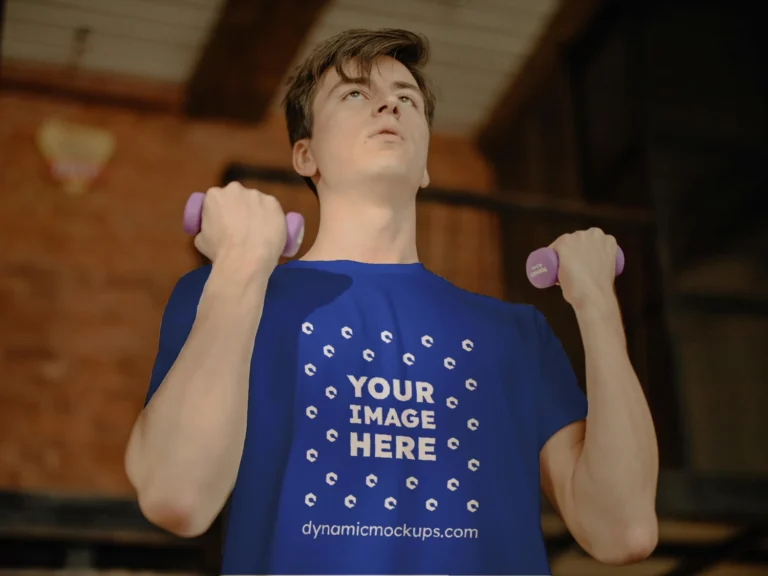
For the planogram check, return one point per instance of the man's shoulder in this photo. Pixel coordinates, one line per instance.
(188, 289)
(486, 304)
(193, 282)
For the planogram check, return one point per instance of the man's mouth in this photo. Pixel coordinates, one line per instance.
(387, 131)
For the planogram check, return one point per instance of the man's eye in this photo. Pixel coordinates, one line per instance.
(405, 98)
(354, 93)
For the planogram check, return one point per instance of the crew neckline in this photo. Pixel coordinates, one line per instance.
(355, 267)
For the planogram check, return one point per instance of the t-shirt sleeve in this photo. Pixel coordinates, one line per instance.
(176, 324)
(558, 397)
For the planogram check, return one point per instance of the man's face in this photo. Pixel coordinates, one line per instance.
(367, 131)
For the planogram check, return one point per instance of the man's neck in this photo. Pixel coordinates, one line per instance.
(365, 232)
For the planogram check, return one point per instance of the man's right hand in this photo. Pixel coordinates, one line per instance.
(242, 221)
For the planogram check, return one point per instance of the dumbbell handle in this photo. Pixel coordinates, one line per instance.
(193, 216)
(542, 265)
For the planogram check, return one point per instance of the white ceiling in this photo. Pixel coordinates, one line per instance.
(158, 39)
(477, 45)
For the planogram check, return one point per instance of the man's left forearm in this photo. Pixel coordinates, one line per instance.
(615, 478)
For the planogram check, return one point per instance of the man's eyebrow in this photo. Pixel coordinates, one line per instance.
(349, 82)
(400, 84)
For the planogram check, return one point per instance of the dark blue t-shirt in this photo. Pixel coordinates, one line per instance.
(394, 424)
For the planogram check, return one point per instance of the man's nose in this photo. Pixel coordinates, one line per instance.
(389, 105)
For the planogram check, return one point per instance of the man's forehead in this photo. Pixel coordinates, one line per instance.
(384, 68)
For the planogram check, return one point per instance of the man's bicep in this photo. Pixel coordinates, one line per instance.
(175, 325)
(167, 352)
(559, 400)
(561, 411)
(557, 464)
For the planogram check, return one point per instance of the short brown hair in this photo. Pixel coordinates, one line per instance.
(364, 46)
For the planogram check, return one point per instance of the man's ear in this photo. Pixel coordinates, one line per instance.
(303, 160)
(425, 179)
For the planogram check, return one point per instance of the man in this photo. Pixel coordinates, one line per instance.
(366, 416)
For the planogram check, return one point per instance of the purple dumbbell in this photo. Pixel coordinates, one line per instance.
(193, 215)
(542, 264)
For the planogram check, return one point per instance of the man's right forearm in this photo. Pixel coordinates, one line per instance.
(185, 449)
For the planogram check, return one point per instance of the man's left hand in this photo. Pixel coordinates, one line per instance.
(587, 266)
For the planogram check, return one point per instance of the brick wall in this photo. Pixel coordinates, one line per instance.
(83, 280)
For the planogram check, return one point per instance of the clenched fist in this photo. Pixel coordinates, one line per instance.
(242, 222)
(587, 264)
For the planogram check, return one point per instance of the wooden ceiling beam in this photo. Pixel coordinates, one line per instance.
(247, 56)
(570, 18)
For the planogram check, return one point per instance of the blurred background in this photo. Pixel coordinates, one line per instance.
(646, 118)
